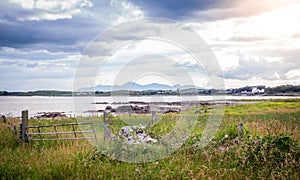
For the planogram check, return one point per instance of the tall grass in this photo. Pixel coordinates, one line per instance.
(267, 149)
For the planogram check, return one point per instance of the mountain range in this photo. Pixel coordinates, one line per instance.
(132, 86)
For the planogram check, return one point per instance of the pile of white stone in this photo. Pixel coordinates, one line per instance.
(136, 135)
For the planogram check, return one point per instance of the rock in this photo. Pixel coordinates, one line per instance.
(133, 109)
(136, 135)
(148, 139)
(172, 110)
(125, 131)
(123, 109)
(108, 108)
(3, 118)
(50, 115)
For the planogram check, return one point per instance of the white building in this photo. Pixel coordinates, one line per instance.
(255, 90)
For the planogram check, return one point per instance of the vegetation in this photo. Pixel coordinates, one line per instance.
(283, 89)
(279, 90)
(268, 148)
(37, 93)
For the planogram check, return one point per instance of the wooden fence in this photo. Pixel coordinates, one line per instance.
(68, 131)
(71, 131)
(39, 135)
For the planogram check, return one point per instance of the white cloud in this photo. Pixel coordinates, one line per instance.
(129, 12)
(273, 59)
(293, 74)
(255, 43)
(40, 69)
(266, 29)
(257, 46)
(150, 55)
(281, 23)
(52, 10)
(52, 5)
(48, 16)
(28, 4)
(227, 59)
(256, 81)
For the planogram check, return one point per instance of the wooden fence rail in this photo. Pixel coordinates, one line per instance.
(57, 133)
(44, 132)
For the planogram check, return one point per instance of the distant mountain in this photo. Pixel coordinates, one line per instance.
(128, 86)
(156, 86)
(137, 87)
(191, 87)
(104, 88)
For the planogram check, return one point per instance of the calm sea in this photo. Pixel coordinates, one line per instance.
(13, 105)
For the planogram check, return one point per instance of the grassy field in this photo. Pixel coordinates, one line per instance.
(269, 148)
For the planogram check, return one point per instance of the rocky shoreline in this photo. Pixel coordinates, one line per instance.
(140, 107)
(50, 115)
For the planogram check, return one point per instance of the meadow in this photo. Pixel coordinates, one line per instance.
(268, 148)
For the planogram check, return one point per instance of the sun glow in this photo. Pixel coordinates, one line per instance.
(275, 24)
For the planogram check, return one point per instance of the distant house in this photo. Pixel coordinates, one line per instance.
(253, 90)
(161, 92)
(256, 90)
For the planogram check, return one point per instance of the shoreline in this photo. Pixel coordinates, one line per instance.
(12, 106)
(159, 95)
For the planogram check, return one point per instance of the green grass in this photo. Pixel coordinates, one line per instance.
(267, 149)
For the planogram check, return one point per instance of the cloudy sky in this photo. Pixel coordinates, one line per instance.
(42, 41)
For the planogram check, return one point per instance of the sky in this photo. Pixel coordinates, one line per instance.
(42, 41)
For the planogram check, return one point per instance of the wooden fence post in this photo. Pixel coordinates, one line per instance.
(15, 130)
(153, 116)
(153, 119)
(3, 119)
(106, 124)
(24, 135)
(240, 130)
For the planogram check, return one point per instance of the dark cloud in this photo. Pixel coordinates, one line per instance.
(10, 13)
(175, 9)
(206, 10)
(8, 63)
(32, 65)
(66, 34)
(61, 34)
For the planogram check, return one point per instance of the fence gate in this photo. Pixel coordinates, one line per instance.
(68, 131)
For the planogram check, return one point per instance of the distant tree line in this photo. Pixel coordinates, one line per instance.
(37, 93)
(285, 89)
